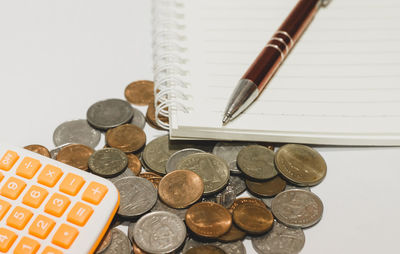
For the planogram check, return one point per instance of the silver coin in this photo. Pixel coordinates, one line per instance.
(131, 226)
(210, 168)
(238, 184)
(119, 243)
(231, 248)
(156, 154)
(268, 200)
(160, 206)
(179, 155)
(297, 208)
(137, 196)
(109, 113)
(108, 162)
(138, 118)
(159, 232)
(224, 198)
(125, 173)
(280, 240)
(55, 151)
(228, 151)
(257, 162)
(76, 131)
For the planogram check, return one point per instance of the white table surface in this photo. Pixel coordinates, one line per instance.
(59, 57)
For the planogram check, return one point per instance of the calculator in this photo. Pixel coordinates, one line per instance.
(49, 207)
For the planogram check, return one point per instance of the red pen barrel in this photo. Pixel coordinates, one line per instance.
(269, 59)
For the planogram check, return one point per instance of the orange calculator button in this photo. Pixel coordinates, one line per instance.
(27, 246)
(19, 217)
(49, 175)
(41, 226)
(35, 196)
(71, 184)
(28, 167)
(51, 250)
(57, 204)
(94, 193)
(1, 176)
(8, 160)
(4, 207)
(12, 188)
(7, 238)
(79, 214)
(65, 236)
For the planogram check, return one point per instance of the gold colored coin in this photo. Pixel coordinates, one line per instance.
(152, 177)
(140, 92)
(134, 164)
(300, 164)
(151, 117)
(75, 155)
(253, 218)
(180, 188)
(205, 249)
(208, 219)
(267, 188)
(128, 138)
(38, 149)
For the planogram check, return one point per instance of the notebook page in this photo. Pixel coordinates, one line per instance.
(340, 80)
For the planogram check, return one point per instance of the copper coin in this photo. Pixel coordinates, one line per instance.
(205, 249)
(234, 234)
(152, 177)
(75, 155)
(180, 188)
(151, 117)
(300, 164)
(239, 201)
(208, 219)
(38, 149)
(267, 188)
(137, 250)
(252, 218)
(140, 92)
(128, 138)
(134, 164)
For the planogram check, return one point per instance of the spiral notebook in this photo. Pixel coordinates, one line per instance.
(340, 85)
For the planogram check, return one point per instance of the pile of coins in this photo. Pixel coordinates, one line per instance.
(191, 196)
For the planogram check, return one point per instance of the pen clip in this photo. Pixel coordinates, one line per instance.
(325, 3)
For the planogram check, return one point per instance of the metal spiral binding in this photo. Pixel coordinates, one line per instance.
(169, 58)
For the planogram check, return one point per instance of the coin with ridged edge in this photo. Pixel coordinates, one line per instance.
(300, 164)
(297, 208)
(210, 168)
(76, 131)
(108, 162)
(159, 232)
(257, 162)
(110, 113)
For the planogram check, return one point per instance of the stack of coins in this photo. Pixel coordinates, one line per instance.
(191, 197)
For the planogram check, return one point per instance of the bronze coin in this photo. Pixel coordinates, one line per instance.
(128, 138)
(151, 117)
(180, 188)
(137, 250)
(300, 164)
(208, 219)
(252, 218)
(105, 242)
(267, 188)
(234, 234)
(38, 149)
(140, 92)
(205, 249)
(152, 177)
(239, 201)
(75, 155)
(134, 164)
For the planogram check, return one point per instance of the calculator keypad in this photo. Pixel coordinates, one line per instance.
(43, 204)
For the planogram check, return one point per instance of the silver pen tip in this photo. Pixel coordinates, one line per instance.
(226, 119)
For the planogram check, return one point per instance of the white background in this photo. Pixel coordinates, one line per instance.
(59, 57)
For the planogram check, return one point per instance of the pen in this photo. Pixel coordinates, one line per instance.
(268, 61)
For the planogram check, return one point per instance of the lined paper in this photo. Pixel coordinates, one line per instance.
(339, 85)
